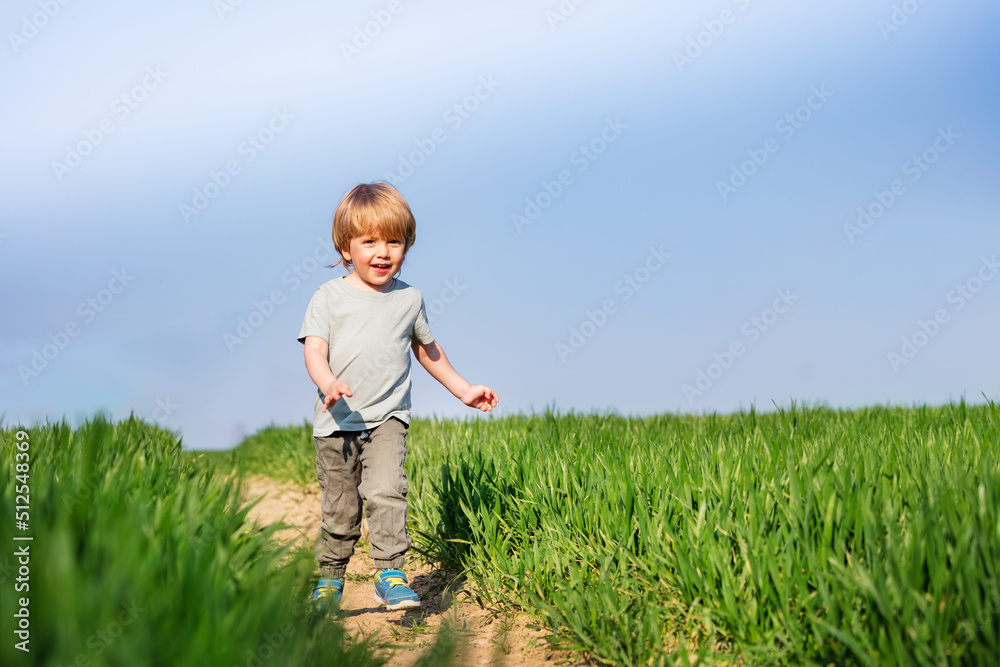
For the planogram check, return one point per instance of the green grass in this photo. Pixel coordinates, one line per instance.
(807, 536)
(221, 459)
(282, 453)
(141, 556)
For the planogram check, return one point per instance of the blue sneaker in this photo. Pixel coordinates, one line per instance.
(327, 591)
(393, 590)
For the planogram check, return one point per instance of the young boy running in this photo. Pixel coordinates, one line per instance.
(358, 332)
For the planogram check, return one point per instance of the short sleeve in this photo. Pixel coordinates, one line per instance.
(317, 319)
(421, 330)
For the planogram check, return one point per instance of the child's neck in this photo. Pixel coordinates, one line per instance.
(353, 280)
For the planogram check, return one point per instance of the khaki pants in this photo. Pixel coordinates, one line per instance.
(355, 467)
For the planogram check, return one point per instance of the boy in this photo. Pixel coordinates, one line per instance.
(358, 332)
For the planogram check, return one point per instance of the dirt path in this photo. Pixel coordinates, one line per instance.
(484, 637)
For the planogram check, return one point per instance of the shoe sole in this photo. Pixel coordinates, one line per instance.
(405, 604)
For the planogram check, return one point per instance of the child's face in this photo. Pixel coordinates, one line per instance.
(376, 261)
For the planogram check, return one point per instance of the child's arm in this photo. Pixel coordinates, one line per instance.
(432, 357)
(317, 353)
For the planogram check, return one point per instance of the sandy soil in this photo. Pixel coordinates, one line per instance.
(485, 637)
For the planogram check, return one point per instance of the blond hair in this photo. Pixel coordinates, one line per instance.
(372, 209)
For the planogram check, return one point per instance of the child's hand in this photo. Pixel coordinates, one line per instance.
(333, 393)
(481, 397)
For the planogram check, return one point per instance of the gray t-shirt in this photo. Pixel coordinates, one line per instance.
(369, 334)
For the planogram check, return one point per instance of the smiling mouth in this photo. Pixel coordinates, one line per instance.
(381, 267)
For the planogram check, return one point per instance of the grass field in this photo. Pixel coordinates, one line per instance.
(141, 556)
(807, 536)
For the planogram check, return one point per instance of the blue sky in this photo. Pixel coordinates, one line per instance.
(634, 206)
